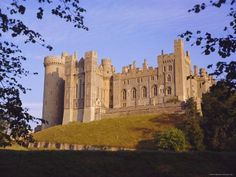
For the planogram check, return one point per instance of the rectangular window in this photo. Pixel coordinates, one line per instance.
(76, 91)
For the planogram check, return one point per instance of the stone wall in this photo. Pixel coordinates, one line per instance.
(151, 109)
(74, 147)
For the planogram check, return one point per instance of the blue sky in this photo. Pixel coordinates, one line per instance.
(120, 29)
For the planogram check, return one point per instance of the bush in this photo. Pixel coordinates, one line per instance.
(172, 139)
(194, 133)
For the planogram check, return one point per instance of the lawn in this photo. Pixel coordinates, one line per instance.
(114, 164)
(129, 132)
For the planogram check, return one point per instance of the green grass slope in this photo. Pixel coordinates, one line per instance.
(130, 132)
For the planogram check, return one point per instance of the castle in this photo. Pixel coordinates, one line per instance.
(85, 91)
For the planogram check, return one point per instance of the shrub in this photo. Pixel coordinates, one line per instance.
(194, 133)
(172, 139)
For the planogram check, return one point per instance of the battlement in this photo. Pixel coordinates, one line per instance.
(131, 69)
(91, 54)
(53, 60)
(106, 61)
(166, 56)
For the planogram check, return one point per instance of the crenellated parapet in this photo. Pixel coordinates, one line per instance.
(53, 60)
(166, 57)
(91, 54)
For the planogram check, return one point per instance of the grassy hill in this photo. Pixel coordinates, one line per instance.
(131, 132)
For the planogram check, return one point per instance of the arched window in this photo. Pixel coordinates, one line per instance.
(134, 93)
(170, 67)
(124, 94)
(168, 78)
(144, 92)
(154, 90)
(169, 90)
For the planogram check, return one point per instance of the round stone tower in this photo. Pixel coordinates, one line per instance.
(53, 98)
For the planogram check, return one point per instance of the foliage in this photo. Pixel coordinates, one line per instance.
(225, 45)
(14, 117)
(4, 138)
(219, 116)
(190, 108)
(191, 125)
(172, 139)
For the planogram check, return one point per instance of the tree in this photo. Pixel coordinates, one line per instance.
(224, 45)
(219, 117)
(191, 125)
(14, 118)
(218, 106)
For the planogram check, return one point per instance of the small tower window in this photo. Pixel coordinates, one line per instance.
(164, 69)
(155, 90)
(169, 90)
(170, 67)
(76, 91)
(124, 94)
(168, 78)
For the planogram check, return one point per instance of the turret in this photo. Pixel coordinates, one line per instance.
(70, 87)
(195, 70)
(90, 63)
(145, 65)
(53, 98)
(106, 63)
(180, 77)
(203, 72)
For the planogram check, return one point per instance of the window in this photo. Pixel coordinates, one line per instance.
(155, 90)
(164, 69)
(76, 91)
(170, 67)
(168, 78)
(57, 70)
(134, 93)
(169, 90)
(152, 78)
(124, 94)
(144, 92)
(80, 88)
(161, 91)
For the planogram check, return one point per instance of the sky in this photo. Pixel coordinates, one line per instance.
(122, 30)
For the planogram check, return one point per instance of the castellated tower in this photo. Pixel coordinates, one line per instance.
(107, 76)
(90, 68)
(70, 87)
(182, 70)
(53, 98)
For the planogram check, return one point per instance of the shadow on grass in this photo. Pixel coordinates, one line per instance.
(114, 164)
(163, 120)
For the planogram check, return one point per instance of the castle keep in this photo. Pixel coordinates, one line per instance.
(85, 91)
